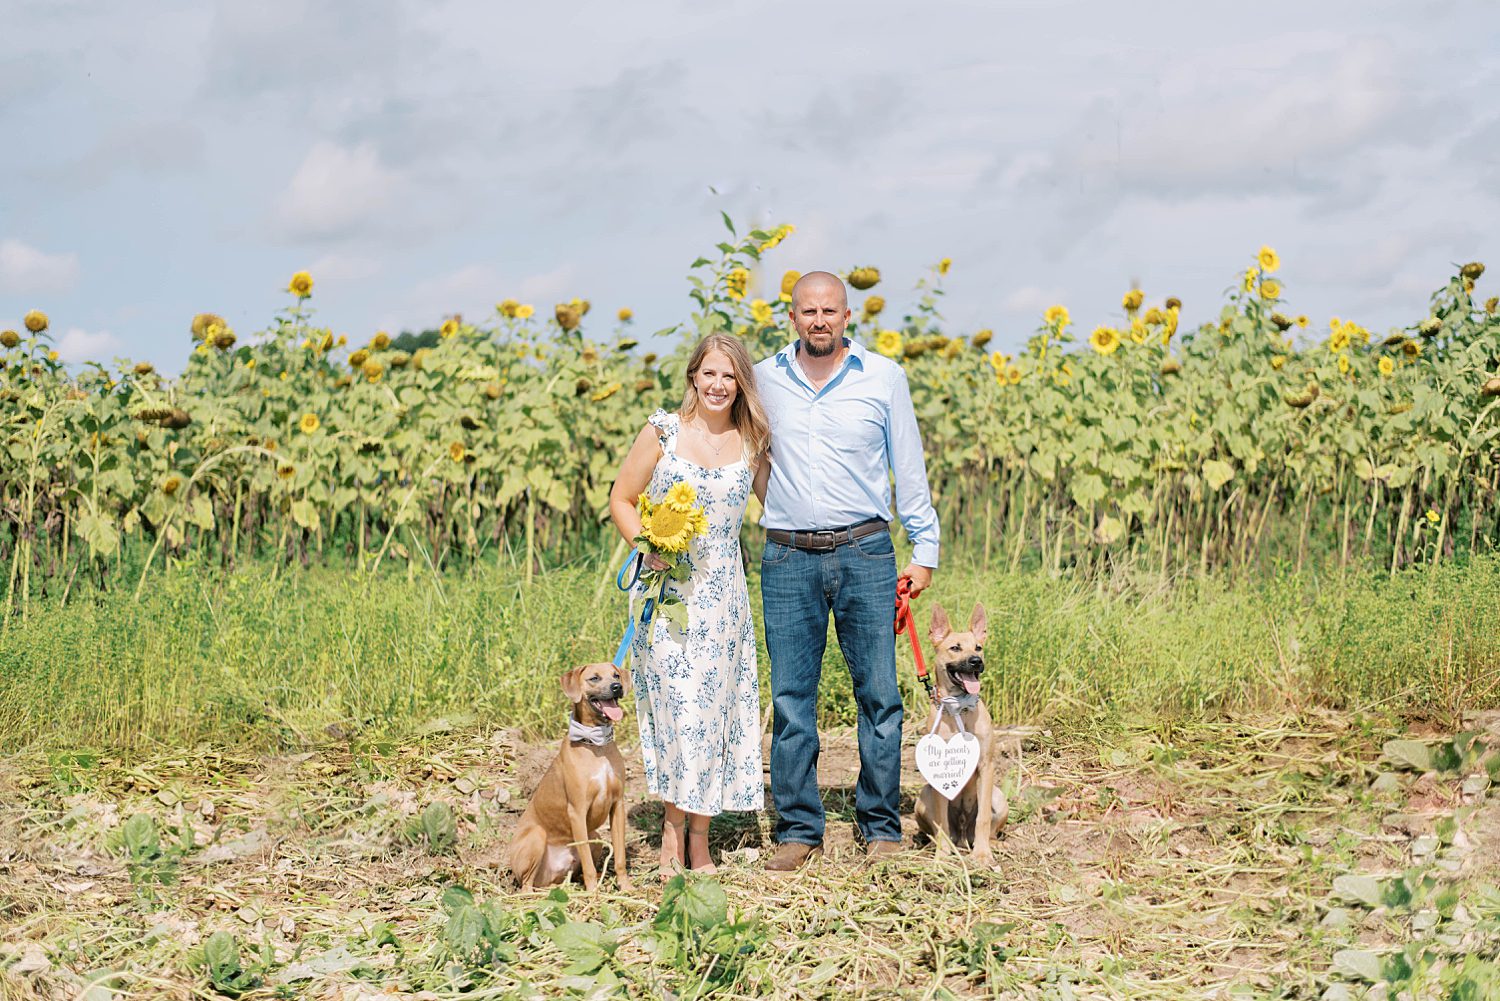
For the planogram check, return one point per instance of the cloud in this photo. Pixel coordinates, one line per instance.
(79, 345)
(335, 193)
(25, 270)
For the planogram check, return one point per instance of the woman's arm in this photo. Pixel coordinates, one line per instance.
(631, 482)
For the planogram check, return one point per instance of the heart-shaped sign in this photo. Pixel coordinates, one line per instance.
(947, 764)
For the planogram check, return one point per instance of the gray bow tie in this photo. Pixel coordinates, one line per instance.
(959, 703)
(596, 735)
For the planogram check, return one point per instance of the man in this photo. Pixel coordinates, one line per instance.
(841, 423)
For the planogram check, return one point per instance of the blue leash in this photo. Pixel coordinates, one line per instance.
(633, 568)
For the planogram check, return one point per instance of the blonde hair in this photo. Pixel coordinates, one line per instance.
(747, 413)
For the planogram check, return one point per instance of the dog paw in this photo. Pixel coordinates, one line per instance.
(985, 860)
(626, 885)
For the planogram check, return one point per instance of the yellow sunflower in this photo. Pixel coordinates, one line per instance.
(1343, 364)
(308, 424)
(456, 451)
(1013, 374)
(36, 321)
(449, 328)
(625, 315)
(507, 308)
(1277, 361)
(787, 281)
(944, 265)
(1133, 300)
(874, 305)
(1105, 340)
(525, 311)
(982, 337)
(888, 343)
(1302, 320)
(1268, 260)
(9, 339)
(380, 341)
(668, 529)
(1387, 366)
(606, 392)
(760, 311)
(1270, 288)
(735, 282)
(1056, 316)
(301, 285)
(681, 497)
(1249, 283)
(643, 504)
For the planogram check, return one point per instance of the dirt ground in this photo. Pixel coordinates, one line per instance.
(1145, 864)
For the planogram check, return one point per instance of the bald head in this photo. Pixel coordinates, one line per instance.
(823, 282)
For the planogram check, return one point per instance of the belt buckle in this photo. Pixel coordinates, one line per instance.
(818, 536)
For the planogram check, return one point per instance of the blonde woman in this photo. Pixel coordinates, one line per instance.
(697, 692)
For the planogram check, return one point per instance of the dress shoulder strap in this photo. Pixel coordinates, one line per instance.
(667, 426)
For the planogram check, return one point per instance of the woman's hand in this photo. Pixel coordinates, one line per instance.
(655, 562)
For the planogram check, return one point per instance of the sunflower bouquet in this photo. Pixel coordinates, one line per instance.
(667, 528)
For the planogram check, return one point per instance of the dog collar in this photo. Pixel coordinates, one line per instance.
(596, 735)
(956, 704)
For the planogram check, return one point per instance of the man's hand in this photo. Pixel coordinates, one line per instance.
(921, 578)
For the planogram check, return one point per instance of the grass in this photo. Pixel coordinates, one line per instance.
(275, 660)
(266, 785)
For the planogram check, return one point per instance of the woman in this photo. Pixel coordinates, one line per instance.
(697, 693)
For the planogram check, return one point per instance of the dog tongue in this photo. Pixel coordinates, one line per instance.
(971, 682)
(612, 710)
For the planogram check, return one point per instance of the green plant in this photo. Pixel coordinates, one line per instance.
(694, 934)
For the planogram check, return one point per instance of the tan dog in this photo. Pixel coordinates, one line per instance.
(584, 786)
(980, 809)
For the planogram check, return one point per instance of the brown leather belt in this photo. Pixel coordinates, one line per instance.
(828, 539)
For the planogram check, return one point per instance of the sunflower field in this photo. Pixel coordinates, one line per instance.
(1255, 437)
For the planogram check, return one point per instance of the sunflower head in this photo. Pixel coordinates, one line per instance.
(1056, 316)
(170, 484)
(9, 339)
(643, 504)
(525, 311)
(372, 369)
(669, 529)
(568, 315)
(1386, 366)
(603, 394)
(1472, 270)
(301, 285)
(981, 338)
(944, 265)
(358, 358)
(1105, 340)
(308, 424)
(1267, 260)
(286, 471)
(681, 497)
(36, 321)
(507, 308)
(1132, 300)
(788, 280)
(456, 451)
(888, 343)
(864, 278)
(1270, 288)
(449, 328)
(380, 341)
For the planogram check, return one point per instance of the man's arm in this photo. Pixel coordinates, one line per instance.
(913, 496)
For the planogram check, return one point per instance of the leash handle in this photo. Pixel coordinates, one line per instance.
(632, 567)
(907, 623)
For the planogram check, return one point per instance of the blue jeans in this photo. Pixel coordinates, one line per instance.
(857, 583)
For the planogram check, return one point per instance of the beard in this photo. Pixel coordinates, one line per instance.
(820, 351)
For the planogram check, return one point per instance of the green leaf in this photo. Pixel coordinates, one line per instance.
(1217, 472)
(1358, 964)
(305, 514)
(1409, 754)
(1358, 889)
(728, 223)
(1087, 489)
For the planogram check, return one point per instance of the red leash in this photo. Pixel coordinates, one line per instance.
(907, 623)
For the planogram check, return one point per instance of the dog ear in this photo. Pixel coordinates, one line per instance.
(624, 676)
(979, 624)
(572, 684)
(940, 625)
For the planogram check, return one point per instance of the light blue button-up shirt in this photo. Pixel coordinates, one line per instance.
(833, 450)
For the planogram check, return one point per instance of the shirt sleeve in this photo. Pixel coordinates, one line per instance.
(913, 496)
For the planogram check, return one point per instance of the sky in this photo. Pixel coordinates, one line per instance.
(425, 159)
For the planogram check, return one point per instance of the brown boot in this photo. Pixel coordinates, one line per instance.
(792, 855)
(882, 849)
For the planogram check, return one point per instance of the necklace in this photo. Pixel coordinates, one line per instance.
(704, 435)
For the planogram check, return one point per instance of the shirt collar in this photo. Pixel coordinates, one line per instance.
(856, 352)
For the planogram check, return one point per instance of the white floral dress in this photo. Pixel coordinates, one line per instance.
(697, 694)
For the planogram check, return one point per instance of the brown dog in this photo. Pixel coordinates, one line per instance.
(980, 809)
(584, 786)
